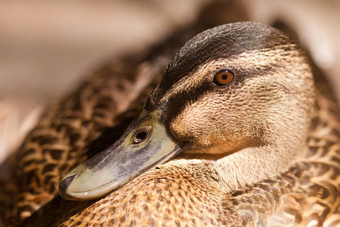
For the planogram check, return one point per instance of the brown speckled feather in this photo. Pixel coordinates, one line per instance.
(307, 194)
(58, 144)
(314, 197)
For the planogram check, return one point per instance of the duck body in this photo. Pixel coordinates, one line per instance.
(261, 150)
(178, 193)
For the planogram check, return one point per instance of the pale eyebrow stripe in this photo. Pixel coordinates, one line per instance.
(188, 82)
(256, 58)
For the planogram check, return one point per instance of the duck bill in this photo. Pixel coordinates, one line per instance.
(145, 144)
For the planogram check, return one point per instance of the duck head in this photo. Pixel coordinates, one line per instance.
(242, 93)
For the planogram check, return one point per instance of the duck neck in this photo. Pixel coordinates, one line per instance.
(254, 164)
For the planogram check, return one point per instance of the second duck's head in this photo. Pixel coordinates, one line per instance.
(242, 91)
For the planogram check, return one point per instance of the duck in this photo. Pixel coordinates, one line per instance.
(236, 133)
(255, 110)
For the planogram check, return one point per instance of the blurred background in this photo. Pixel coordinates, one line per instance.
(46, 47)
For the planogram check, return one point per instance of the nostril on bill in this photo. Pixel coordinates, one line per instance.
(141, 135)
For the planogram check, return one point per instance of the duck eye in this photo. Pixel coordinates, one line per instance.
(224, 77)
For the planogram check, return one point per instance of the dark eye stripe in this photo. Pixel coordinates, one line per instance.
(179, 100)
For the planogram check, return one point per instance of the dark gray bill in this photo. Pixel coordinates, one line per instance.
(145, 144)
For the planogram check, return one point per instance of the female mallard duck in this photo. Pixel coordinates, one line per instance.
(235, 114)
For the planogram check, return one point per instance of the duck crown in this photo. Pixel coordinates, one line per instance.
(220, 42)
